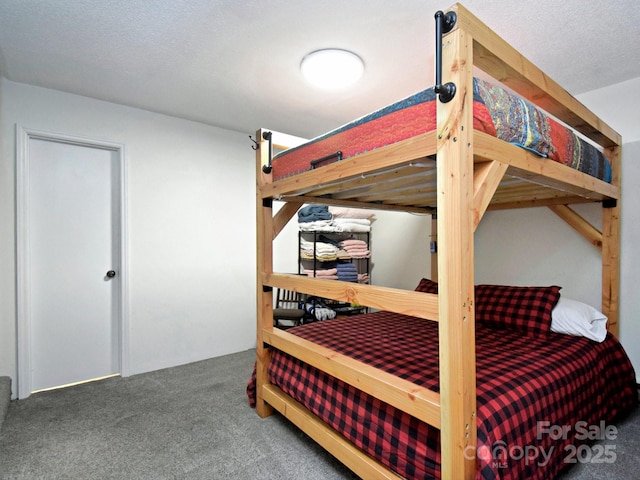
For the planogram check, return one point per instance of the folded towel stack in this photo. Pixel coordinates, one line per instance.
(351, 224)
(363, 278)
(356, 248)
(347, 272)
(347, 212)
(324, 252)
(317, 226)
(325, 274)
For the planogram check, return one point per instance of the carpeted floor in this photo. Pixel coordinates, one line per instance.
(5, 397)
(188, 422)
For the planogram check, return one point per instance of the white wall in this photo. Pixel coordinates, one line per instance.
(534, 246)
(400, 249)
(619, 106)
(191, 202)
(7, 252)
(630, 254)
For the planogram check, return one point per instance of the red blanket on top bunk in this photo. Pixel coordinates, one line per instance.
(529, 388)
(496, 112)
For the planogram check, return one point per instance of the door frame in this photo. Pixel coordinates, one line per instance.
(23, 137)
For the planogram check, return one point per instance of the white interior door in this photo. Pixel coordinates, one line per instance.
(73, 270)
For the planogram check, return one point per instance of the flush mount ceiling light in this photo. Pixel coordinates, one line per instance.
(332, 68)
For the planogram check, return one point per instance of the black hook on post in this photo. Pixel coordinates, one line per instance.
(444, 24)
(267, 168)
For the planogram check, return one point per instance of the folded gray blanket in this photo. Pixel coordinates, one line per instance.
(312, 213)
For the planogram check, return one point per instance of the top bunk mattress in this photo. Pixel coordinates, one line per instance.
(496, 112)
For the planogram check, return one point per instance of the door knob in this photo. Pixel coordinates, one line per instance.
(111, 273)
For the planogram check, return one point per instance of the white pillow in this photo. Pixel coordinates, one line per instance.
(576, 318)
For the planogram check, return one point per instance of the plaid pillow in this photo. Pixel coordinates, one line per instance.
(427, 286)
(525, 309)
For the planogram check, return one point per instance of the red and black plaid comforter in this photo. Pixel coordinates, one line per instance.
(536, 397)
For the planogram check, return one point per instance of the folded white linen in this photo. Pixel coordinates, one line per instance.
(348, 212)
(352, 227)
(358, 221)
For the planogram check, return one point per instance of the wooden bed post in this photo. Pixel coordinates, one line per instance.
(264, 264)
(433, 247)
(455, 262)
(611, 249)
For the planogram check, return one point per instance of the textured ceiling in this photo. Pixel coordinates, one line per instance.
(235, 63)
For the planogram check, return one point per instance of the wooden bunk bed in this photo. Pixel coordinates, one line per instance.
(463, 173)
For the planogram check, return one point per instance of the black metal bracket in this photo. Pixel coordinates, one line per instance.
(267, 202)
(267, 288)
(444, 24)
(610, 203)
(267, 168)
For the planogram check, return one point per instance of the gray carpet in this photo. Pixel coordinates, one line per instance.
(187, 422)
(5, 398)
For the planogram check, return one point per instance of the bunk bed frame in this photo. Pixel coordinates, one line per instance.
(465, 173)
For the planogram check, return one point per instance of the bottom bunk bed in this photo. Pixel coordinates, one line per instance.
(540, 394)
